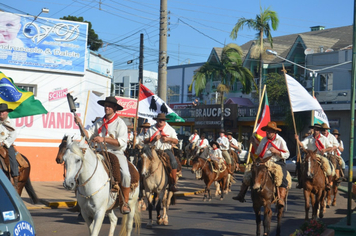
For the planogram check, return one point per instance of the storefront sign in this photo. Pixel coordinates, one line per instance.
(129, 105)
(210, 115)
(57, 94)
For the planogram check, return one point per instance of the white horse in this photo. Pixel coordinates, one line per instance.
(85, 170)
(155, 180)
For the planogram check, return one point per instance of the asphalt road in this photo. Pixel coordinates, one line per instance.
(192, 216)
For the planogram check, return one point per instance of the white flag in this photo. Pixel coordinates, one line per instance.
(93, 109)
(320, 117)
(299, 97)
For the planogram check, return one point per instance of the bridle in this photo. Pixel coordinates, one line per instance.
(152, 172)
(309, 157)
(257, 164)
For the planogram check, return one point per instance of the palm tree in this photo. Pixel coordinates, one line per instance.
(262, 25)
(228, 70)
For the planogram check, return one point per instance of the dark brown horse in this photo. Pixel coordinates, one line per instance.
(263, 195)
(209, 176)
(24, 173)
(313, 184)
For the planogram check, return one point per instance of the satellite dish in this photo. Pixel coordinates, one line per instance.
(308, 51)
(329, 50)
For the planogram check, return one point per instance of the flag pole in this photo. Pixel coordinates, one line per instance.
(140, 77)
(291, 108)
(257, 117)
(86, 107)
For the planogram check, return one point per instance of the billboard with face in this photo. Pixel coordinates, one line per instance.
(42, 43)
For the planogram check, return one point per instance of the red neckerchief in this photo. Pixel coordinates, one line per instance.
(194, 137)
(159, 130)
(215, 148)
(318, 143)
(201, 142)
(106, 122)
(269, 141)
(129, 136)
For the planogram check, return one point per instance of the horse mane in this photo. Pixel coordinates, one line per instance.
(74, 147)
(147, 151)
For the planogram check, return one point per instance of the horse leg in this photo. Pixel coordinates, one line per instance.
(222, 186)
(217, 188)
(165, 209)
(97, 222)
(335, 193)
(316, 203)
(128, 219)
(328, 196)
(113, 222)
(257, 210)
(267, 218)
(279, 220)
(158, 211)
(307, 199)
(205, 194)
(208, 189)
(149, 198)
(322, 204)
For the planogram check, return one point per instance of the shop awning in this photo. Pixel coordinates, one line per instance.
(241, 102)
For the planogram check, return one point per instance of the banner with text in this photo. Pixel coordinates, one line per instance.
(43, 43)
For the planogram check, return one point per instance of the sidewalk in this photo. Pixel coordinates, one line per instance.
(54, 195)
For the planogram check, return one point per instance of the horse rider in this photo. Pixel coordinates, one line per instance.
(275, 146)
(318, 142)
(224, 147)
(340, 148)
(141, 137)
(335, 145)
(235, 146)
(162, 135)
(7, 137)
(130, 135)
(111, 131)
(203, 147)
(215, 154)
(193, 139)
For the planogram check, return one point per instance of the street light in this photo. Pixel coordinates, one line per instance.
(44, 10)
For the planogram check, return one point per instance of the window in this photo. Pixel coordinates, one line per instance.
(28, 87)
(326, 82)
(119, 89)
(173, 93)
(133, 90)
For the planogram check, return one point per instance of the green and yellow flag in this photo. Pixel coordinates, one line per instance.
(22, 102)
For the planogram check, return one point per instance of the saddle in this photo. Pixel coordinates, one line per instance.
(5, 160)
(112, 167)
(216, 167)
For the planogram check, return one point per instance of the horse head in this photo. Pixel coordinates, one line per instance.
(62, 150)
(148, 155)
(311, 163)
(259, 173)
(73, 159)
(197, 164)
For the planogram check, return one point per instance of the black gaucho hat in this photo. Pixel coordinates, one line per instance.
(213, 142)
(4, 107)
(112, 100)
(316, 126)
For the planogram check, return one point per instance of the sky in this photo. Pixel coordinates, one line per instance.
(195, 27)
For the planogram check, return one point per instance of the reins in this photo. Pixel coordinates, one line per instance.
(265, 174)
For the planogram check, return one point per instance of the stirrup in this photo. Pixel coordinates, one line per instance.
(173, 188)
(125, 208)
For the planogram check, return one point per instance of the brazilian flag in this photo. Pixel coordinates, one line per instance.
(22, 102)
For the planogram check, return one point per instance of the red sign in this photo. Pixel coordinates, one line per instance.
(57, 94)
(129, 105)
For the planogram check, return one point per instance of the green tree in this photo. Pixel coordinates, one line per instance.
(93, 41)
(262, 24)
(228, 71)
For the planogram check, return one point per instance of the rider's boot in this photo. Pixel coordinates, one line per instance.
(125, 208)
(173, 179)
(338, 177)
(16, 182)
(282, 196)
(241, 196)
(229, 169)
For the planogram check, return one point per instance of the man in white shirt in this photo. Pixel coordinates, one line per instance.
(224, 147)
(275, 146)
(141, 137)
(192, 141)
(203, 147)
(7, 138)
(318, 142)
(162, 135)
(111, 130)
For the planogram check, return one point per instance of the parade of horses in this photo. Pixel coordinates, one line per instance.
(246, 143)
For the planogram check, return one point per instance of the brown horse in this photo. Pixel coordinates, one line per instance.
(313, 184)
(334, 188)
(24, 173)
(209, 176)
(263, 195)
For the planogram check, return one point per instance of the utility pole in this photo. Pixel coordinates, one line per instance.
(162, 55)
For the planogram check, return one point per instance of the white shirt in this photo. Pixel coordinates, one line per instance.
(280, 144)
(140, 138)
(168, 130)
(234, 142)
(309, 143)
(7, 135)
(116, 130)
(130, 136)
(216, 155)
(333, 141)
(194, 139)
(204, 144)
(223, 143)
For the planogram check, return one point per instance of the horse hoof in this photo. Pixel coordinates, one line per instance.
(321, 215)
(165, 220)
(149, 225)
(333, 204)
(327, 206)
(209, 199)
(221, 199)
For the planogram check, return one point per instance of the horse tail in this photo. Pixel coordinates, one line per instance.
(127, 218)
(31, 192)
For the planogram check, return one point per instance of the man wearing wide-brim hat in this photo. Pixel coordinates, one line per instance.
(111, 131)
(215, 153)
(7, 138)
(340, 148)
(192, 141)
(162, 135)
(141, 137)
(224, 147)
(275, 147)
(318, 142)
